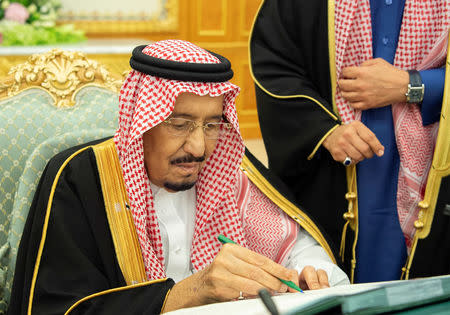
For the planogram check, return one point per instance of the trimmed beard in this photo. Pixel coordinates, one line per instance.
(179, 187)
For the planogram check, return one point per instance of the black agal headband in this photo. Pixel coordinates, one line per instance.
(183, 71)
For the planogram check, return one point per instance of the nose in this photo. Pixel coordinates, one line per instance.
(195, 142)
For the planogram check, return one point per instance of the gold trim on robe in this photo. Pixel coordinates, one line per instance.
(120, 219)
(128, 287)
(122, 227)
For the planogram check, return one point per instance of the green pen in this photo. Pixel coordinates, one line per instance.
(225, 240)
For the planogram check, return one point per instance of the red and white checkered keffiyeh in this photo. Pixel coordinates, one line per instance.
(145, 101)
(421, 45)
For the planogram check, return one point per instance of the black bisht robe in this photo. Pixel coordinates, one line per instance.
(289, 56)
(78, 257)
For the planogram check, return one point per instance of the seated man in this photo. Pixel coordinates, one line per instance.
(130, 225)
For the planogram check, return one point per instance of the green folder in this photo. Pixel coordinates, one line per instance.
(419, 296)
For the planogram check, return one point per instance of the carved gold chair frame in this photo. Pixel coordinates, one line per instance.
(60, 73)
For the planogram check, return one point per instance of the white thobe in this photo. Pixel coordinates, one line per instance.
(176, 218)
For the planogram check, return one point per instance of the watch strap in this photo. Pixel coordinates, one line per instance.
(414, 78)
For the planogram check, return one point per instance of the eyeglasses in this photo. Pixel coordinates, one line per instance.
(181, 127)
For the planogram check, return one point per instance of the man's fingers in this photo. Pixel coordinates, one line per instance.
(231, 287)
(359, 105)
(352, 96)
(353, 145)
(262, 262)
(350, 72)
(347, 85)
(354, 140)
(352, 152)
(361, 146)
(369, 137)
(247, 286)
(355, 94)
(256, 274)
(313, 279)
(248, 264)
(338, 143)
(371, 62)
(323, 278)
(310, 278)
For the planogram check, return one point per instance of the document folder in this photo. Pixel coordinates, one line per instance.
(426, 294)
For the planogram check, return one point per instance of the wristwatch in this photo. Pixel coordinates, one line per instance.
(416, 88)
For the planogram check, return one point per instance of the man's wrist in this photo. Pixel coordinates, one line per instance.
(402, 87)
(185, 293)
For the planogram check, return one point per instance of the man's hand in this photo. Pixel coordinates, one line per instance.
(312, 279)
(234, 269)
(376, 83)
(354, 140)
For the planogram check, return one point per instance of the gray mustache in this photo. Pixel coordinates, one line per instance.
(188, 159)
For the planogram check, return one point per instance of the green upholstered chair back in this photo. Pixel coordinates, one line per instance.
(54, 101)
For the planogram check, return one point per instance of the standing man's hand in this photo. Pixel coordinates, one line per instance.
(376, 83)
(355, 141)
(234, 269)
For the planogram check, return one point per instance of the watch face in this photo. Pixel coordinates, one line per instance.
(415, 94)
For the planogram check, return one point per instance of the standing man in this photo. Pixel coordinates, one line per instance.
(359, 83)
(130, 225)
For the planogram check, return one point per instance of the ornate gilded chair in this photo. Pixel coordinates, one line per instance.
(54, 101)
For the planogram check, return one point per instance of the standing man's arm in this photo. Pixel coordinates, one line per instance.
(377, 83)
(289, 63)
(434, 80)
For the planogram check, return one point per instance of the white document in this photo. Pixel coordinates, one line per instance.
(284, 302)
